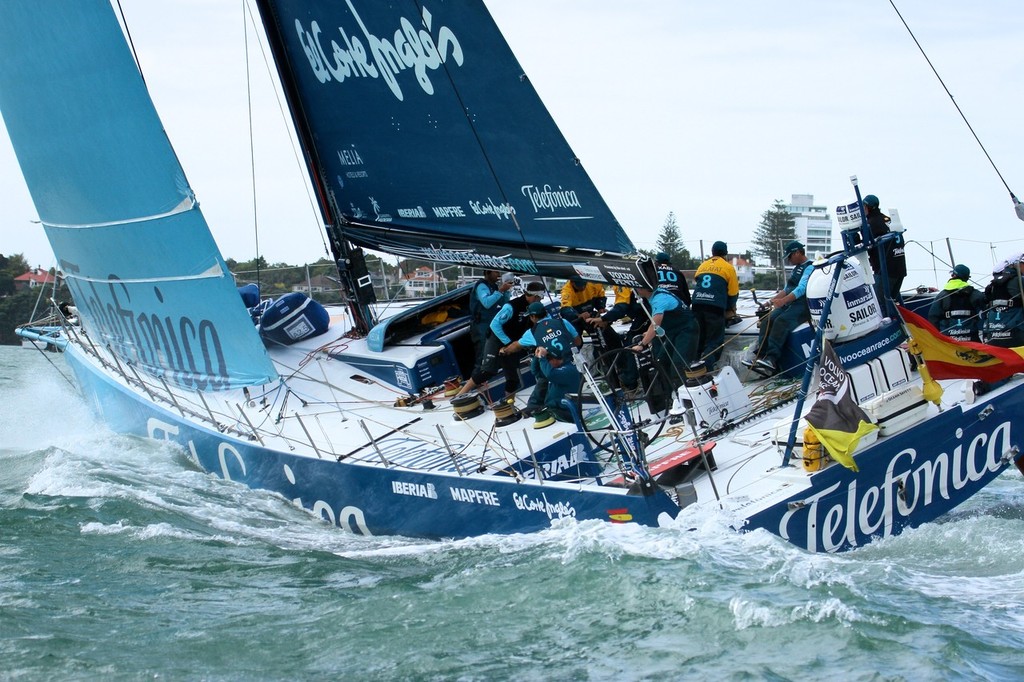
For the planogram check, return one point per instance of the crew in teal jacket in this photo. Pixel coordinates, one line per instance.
(789, 312)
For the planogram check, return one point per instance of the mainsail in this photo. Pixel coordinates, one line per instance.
(147, 277)
(425, 139)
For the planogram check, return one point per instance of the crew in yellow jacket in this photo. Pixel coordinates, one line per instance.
(714, 294)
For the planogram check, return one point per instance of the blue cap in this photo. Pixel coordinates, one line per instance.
(662, 257)
(871, 200)
(961, 272)
(536, 308)
(793, 247)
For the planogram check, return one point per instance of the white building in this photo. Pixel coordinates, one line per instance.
(813, 225)
(424, 282)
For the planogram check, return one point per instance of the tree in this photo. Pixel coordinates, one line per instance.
(670, 241)
(11, 267)
(773, 233)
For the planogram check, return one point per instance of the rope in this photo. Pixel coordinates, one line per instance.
(63, 375)
(951, 99)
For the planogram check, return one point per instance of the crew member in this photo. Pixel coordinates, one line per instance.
(551, 333)
(508, 325)
(674, 328)
(716, 288)
(789, 310)
(1004, 315)
(485, 299)
(581, 298)
(562, 378)
(895, 254)
(957, 310)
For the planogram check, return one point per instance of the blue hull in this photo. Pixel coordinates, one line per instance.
(907, 480)
(365, 499)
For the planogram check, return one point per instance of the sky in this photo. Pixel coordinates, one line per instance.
(709, 110)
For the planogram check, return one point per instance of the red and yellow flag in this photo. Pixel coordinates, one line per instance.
(949, 359)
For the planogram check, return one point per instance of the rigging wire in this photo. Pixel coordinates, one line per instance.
(953, 100)
(252, 147)
(313, 204)
(284, 115)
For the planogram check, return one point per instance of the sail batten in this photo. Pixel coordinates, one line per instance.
(214, 272)
(187, 204)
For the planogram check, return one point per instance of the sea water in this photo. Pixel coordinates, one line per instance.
(119, 559)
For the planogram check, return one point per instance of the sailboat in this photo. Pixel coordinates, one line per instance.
(423, 138)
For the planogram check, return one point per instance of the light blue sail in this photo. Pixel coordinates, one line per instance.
(148, 279)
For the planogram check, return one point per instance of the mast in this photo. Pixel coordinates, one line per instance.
(349, 260)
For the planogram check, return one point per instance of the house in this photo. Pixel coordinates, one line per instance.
(317, 284)
(36, 277)
(424, 282)
(744, 269)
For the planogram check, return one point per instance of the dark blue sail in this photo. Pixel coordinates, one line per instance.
(427, 140)
(147, 277)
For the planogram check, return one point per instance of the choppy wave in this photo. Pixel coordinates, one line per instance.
(120, 559)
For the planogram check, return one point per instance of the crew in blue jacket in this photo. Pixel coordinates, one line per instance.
(789, 312)
(554, 334)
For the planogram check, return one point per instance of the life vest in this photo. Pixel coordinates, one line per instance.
(552, 334)
(520, 320)
(477, 312)
(997, 293)
(959, 319)
(673, 281)
(797, 275)
(1004, 316)
(675, 320)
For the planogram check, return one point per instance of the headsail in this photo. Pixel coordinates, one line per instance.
(430, 141)
(147, 277)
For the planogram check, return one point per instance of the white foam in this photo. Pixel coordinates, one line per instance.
(41, 409)
(748, 613)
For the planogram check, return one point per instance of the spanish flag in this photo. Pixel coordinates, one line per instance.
(835, 418)
(949, 359)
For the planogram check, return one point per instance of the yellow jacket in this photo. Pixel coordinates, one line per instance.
(715, 284)
(572, 298)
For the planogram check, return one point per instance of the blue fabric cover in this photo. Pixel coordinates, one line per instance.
(250, 294)
(293, 317)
